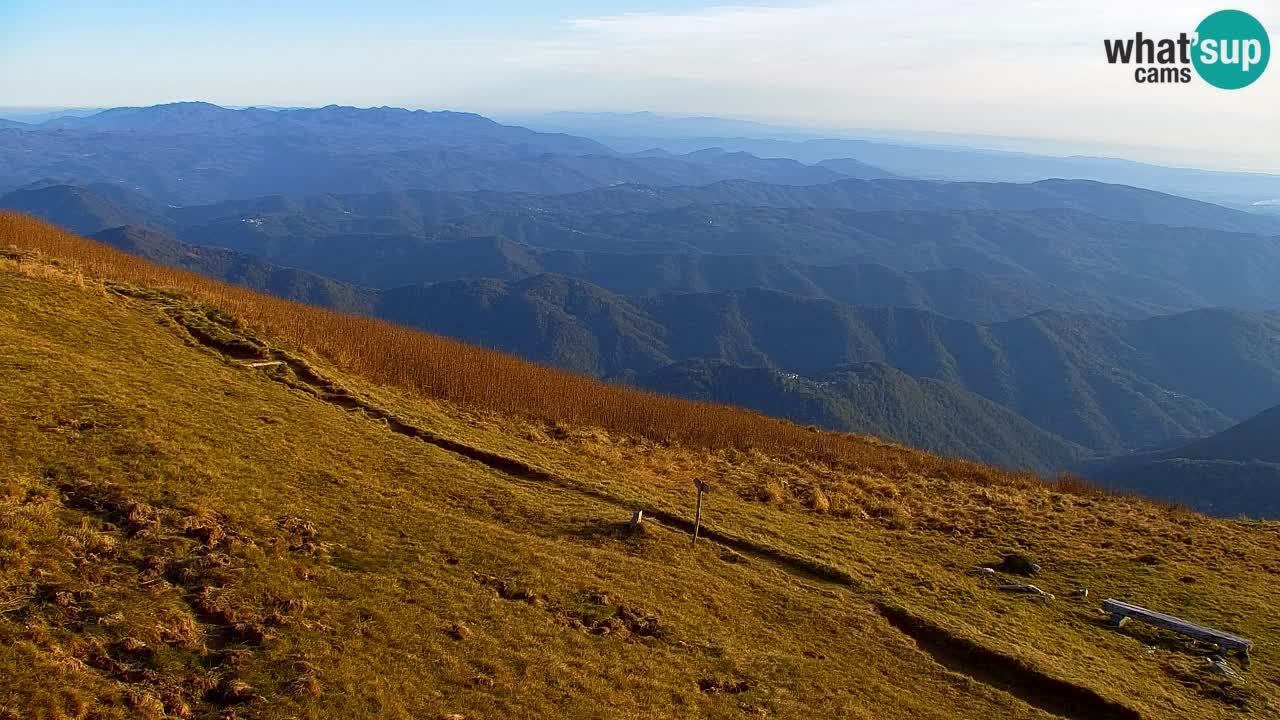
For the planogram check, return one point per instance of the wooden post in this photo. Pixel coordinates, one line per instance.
(697, 518)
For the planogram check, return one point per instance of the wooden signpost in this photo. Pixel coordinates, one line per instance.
(697, 518)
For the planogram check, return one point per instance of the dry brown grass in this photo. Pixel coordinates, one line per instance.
(439, 368)
(570, 616)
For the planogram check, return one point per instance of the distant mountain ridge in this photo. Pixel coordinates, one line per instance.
(1235, 472)
(86, 210)
(395, 262)
(979, 263)
(433, 207)
(874, 399)
(240, 269)
(949, 162)
(651, 124)
(1256, 439)
(748, 163)
(238, 153)
(199, 153)
(442, 128)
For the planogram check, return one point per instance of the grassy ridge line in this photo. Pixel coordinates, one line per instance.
(440, 368)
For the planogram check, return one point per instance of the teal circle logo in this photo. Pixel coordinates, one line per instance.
(1232, 49)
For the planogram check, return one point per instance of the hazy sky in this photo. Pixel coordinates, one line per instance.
(1021, 68)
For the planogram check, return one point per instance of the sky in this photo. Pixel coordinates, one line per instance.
(1030, 69)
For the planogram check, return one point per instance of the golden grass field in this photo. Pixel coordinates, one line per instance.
(391, 525)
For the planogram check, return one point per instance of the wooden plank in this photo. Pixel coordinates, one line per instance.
(1139, 611)
(1228, 641)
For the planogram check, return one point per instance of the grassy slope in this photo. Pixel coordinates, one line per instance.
(409, 525)
(347, 553)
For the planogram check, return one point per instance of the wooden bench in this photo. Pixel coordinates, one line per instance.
(1121, 611)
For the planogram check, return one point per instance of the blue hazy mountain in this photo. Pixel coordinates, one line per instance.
(1235, 472)
(973, 251)
(197, 153)
(654, 125)
(955, 163)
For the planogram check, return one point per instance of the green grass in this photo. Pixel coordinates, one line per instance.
(269, 547)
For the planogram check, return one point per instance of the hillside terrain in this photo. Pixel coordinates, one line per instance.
(392, 262)
(1104, 383)
(240, 269)
(874, 399)
(1235, 472)
(337, 534)
(1175, 266)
